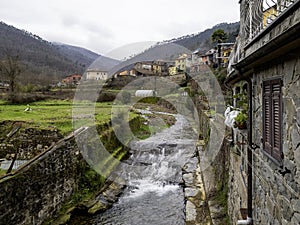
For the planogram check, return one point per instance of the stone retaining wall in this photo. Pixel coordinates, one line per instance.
(28, 141)
(37, 190)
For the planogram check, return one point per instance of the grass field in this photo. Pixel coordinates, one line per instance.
(52, 114)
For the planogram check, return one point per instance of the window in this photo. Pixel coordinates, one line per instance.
(272, 119)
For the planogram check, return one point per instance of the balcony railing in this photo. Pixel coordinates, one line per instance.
(256, 16)
(259, 14)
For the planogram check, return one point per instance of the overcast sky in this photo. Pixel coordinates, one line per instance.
(102, 26)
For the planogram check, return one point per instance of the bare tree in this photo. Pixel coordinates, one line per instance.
(10, 69)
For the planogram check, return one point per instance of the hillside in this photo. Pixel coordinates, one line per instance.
(171, 49)
(81, 56)
(43, 62)
(202, 40)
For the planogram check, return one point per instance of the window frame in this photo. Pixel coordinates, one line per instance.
(273, 112)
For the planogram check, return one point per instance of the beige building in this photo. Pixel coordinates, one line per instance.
(94, 74)
(183, 62)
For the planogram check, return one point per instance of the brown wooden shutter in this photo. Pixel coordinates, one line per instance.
(267, 117)
(272, 118)
(276, 119)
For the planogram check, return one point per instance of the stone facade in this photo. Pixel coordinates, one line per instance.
(237, 196)
(274, 53)
(277, 188)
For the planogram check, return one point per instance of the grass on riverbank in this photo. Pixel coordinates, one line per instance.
(51, 114)
(2, 172)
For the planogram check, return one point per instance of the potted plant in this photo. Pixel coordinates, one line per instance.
(242, 104)
(241, 120)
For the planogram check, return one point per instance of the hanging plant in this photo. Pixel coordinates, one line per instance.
(241, 121)
(242, 104)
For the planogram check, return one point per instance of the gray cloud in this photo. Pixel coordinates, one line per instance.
(104, 25)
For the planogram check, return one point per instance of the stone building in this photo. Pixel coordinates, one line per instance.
(96, 74)
(264, 179)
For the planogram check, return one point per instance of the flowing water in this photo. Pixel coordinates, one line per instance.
(154, 194)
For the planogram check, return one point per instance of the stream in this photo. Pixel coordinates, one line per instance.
(154, 192)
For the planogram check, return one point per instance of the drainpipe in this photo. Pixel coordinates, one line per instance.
(249, 220)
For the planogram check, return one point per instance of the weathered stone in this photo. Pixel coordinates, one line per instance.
(190, 192)
(296, 219)
(98, 207)
(296, 205)
(276, 222)
(286, 149)
(297, 157)
(270, 205)
(62, 219)
(285, 222)
(191, 165)
(287, 211)
(191, 212)
(295, 137)
(298, 116)
(188, 179)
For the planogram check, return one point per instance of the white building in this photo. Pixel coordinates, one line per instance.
(95, 74)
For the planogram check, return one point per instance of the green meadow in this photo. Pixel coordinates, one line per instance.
(53, 114)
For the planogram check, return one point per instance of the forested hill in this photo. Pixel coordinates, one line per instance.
(202, 40)
(43, 61)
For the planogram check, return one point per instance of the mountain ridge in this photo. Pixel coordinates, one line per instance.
(43, 61)
(48, 62)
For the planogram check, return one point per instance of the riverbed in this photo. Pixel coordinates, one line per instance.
(154, 192)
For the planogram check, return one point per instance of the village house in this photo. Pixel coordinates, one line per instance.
(226, 49)
(209, 58)
(196, 61)
(172, 70)
(144, 68)
(183, 63)
(264, 72)
(161, 67)
(127, 71)
(153, 68)
(96, 74)
(71, 80)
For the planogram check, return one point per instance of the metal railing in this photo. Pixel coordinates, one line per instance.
(256, 16)
(259, 14)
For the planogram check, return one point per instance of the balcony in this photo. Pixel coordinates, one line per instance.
(260, 14)
(262, 23)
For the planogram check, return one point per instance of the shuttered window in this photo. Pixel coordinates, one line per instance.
(272, 119)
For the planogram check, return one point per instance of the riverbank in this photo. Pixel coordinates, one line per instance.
(101, 200)
(166, 181)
